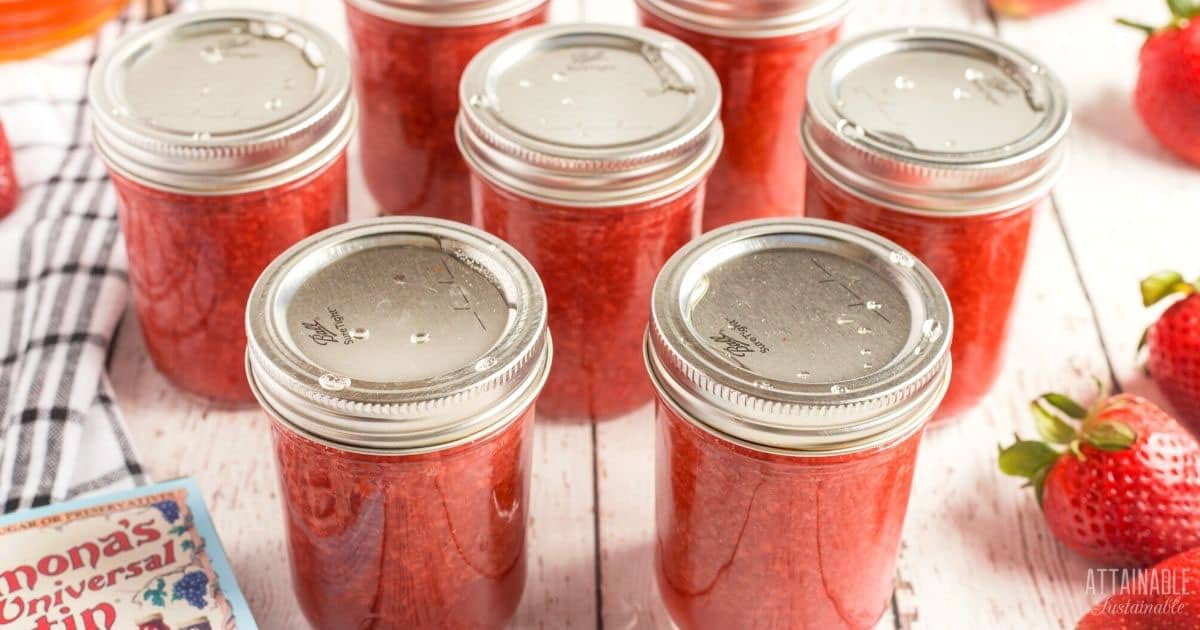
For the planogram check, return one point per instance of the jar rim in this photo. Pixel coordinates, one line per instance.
(447, 14)
(867, 128)
(584, 145)
(397, 334)
(502, 420)
(752, 331)
(966, 204)
(725, 19)
(917, 418)
(204, 133)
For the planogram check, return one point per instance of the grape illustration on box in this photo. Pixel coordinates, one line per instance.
(146, 559)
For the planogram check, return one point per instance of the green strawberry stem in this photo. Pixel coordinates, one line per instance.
(1183, 9)
(1159, 286)
(1181, 12)
(1056, 416)
(1145, 28)
(1163, 284)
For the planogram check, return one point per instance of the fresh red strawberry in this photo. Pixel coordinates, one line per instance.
(1165, 597)
(1122, 488)
(1173, 344)
(1027, 8)
(1167, 95)
(8, 177)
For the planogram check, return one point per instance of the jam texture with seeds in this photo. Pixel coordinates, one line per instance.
(408, 542)
(763, 85)
(598, 266)
(978, 259)
(194, 258)
(747, 539)
(406, 77)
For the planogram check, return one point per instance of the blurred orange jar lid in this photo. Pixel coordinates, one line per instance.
(31, 27)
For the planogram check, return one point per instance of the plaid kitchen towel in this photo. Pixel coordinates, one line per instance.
(63, 285)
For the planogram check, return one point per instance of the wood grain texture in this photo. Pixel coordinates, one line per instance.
(976, 552)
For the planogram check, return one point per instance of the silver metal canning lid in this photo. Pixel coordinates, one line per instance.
(220, 102)
(936, 121)
(750, 18)
(397, 335)
(590, 115)
(800, 336)
(447, 13)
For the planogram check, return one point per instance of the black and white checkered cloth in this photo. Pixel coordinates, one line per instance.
(63, 286)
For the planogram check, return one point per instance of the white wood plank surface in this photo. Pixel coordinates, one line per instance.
(975, 553)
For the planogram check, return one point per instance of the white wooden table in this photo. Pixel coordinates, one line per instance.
(976, 552)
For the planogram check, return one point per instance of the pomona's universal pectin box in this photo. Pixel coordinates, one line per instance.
(146, 559)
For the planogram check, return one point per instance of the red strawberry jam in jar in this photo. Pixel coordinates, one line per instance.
(408, 56)
(762, 51)
(945, 142)
(399, 359)
(796, 362)
(589, 147)
(225, 135)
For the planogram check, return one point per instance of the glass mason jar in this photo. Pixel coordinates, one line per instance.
(589, 146)
(225, 135)
(399, 359)
(408, 56)
(31, 27)
(945, 142)
(796, 362)
(762, 52)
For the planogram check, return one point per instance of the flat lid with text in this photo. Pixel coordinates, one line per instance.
(800, 334)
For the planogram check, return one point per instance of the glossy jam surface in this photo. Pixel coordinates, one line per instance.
(30, 27)
(598, 266)
(763, 84)
(413, 542)
(193, 260)
(978, 259)
(406, 78)
(753, 540)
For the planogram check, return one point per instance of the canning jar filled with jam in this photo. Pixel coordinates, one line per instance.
(589, 146)
(762, 52)
(30, 27)
(225, 135)
(945, 142)
(399, 360)
(407, 57)
(797, 362)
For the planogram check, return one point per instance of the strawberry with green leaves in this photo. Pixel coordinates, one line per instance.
(1166, 597)
(1172, 344)
(1118, 483)
(1167, 96)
